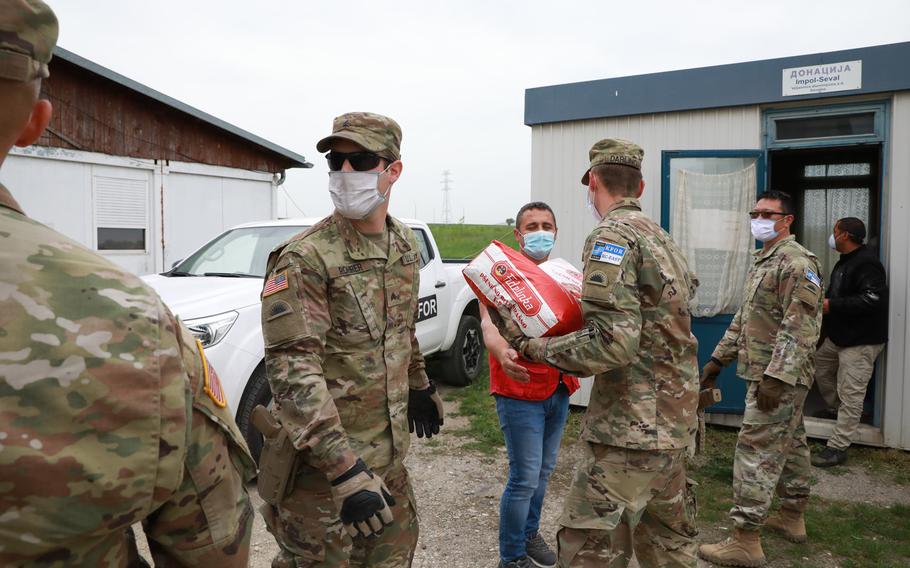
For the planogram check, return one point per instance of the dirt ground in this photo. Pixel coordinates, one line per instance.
(458, 494)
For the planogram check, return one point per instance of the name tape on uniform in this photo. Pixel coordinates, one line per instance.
(608, 252)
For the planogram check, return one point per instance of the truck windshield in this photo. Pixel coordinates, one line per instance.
(237, 253)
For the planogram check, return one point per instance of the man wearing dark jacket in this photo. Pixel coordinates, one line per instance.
(855, 328)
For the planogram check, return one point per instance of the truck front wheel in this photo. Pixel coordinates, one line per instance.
(460, 365)
(257, 392)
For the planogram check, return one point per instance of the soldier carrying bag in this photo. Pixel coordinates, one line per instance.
(278, 458)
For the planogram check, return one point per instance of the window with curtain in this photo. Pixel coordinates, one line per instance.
(710, 200)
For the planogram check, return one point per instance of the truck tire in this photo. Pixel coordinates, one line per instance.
(461, 364)
(257, 392)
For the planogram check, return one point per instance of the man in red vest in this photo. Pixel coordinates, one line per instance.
(532, 400)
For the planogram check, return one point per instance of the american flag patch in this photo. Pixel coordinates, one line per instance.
(212, 386)
(276, 283)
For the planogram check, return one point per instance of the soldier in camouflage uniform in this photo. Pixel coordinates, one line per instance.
(339, 311)
(109, 412)
(631, 492)
(773, 334)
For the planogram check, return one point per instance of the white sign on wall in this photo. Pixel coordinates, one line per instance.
(843, 76)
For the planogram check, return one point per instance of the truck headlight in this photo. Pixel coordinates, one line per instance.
(212, 329)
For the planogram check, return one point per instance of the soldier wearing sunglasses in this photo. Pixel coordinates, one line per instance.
(338, 315)
(773, 335)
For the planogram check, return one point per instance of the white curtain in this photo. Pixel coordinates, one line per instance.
(710, 223)
(821, 209)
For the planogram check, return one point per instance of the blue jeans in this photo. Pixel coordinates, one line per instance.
(532, 430)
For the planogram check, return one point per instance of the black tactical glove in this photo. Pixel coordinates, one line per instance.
(425, 412)
(769, 392)
(363, 500)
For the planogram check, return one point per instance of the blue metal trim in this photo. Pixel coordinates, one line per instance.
(770, 116)
(754, 82)
(92, 67)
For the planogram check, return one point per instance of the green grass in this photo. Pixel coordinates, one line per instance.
(465, 241)
(886, 462)
(483, 423)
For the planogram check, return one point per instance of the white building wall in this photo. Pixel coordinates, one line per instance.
(58, 188)
(559, 157)
(896, 420)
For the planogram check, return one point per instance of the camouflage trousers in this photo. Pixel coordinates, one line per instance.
(310, 534)
(771, 452)
(629, 501)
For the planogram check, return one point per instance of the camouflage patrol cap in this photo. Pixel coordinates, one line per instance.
(28, 33)
(376, 133)
(614, 151)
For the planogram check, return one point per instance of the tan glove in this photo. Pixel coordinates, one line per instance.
(769, 392)
(709, 374)
(363, 501)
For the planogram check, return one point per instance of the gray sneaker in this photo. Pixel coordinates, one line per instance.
(522, 562)
(540, 554)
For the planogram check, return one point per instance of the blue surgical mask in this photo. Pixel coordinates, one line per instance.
(538, 244)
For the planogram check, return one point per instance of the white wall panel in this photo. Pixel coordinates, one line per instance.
(896, 421)
(559, 154)
(197, 207)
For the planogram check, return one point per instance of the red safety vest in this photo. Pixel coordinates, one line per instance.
(544, 381)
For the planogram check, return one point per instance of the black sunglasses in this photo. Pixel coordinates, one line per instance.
(765, 214)
(360, 161)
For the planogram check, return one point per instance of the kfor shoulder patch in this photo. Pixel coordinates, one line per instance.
(610, 253)
(813, 278)
(212, 386)
(276, 283)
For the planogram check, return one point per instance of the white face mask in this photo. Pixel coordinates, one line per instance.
(831, 242)
(593, 208)
(763, 230)
(356, 194)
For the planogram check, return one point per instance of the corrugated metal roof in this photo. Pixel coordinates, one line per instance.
(70, 57)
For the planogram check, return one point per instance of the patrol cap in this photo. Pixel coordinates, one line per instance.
(28, 34)
(614, 151)
(376, 133)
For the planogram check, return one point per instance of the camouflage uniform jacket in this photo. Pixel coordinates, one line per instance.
(339, 316)
(775, 330)
(638, 338)
(107, 415)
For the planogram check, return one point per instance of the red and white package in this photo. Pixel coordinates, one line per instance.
(503, 277)
(565, 275)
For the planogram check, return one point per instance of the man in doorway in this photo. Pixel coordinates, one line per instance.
(339, 309)
(532, 401)
(630, 494)
(855, 328)
(110, 413)
(773, 334)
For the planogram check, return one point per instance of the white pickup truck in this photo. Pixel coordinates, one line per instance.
(216, 292)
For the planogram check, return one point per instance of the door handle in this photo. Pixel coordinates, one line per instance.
(440, 284)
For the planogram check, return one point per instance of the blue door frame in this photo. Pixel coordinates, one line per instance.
(709, 331)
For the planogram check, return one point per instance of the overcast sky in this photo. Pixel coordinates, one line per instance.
(453, 74)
